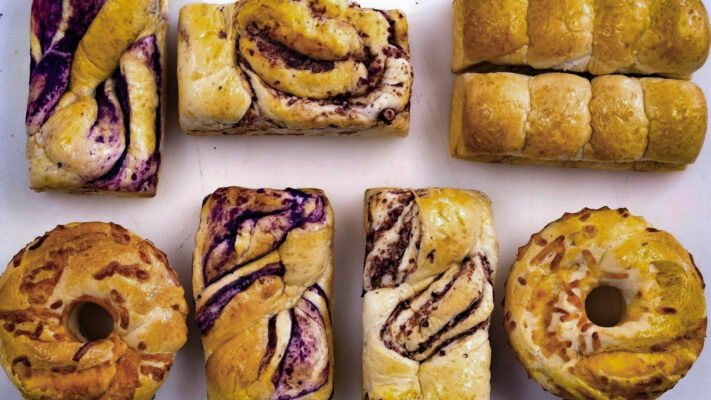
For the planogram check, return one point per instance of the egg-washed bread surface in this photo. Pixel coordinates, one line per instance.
(322, 67)
(609, 122)
(95, 112)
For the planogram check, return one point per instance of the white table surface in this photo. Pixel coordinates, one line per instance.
(524, 198)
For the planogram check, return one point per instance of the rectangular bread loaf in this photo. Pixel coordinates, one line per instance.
(280, 67)
(263, 287)
(96, 103)
(667, 37)
(611, 122)
(430, 266)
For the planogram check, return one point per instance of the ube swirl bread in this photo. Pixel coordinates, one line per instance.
(316, 67)
(430, 265)
(42, 346)
(95, 109)
(262, 282)
(609, 122)
(660, 332)
(667, 37)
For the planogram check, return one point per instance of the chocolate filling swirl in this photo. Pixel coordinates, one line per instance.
(422, 325)
(392, 242)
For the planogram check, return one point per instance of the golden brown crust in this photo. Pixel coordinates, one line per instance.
(496, 124)
(430, 266)
(262, 284)
(666, 37)
(559, 121)
(481, 20)
(677, 115)
(560, 32)
(660, 334)
(619, 122)
(42, 350)
(618, 26)
(613, 122)
(280, 67)
(676, 40)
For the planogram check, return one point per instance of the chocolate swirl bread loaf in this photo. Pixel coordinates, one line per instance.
(430, 265)
(668, 37)
(94, 114)
(611, 122)
(262, 283)
(313, 67)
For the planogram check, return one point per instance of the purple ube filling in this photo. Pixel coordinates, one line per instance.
(208, 314)
(144, 177)
(49, 76)
(46, 15)
(49, 80)
(305, 367)
(106, 132)
(227, 221)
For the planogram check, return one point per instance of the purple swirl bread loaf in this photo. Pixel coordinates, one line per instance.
(262, 283)
(94, 114)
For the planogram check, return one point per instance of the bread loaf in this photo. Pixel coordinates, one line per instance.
(610, 122)
(668, 37)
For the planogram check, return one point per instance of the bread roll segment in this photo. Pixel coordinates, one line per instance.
(611, 122)
(667, 37)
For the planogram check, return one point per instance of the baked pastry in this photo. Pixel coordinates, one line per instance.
(42, 348)
(430, 265)
(319, 67)
(95, 109)
(668, 37)
(262, 282)
(657, 338)
(611, 122)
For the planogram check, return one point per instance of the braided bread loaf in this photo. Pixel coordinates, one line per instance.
(94, 114)
(430, 265)
(42, 348)
(293, 67)
(669, 37)
(662, 326)
(262, 282)
(611, 122)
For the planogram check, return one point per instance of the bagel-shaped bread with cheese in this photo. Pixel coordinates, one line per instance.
(42, 349)
(661, 328)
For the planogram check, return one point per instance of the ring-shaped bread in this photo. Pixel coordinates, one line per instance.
(660, 334)
(42, 349)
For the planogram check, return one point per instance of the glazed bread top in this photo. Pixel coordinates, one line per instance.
(661, 331)
(668, 37)
(292, 64)
(42, 348)
(94, 118)
(430, 265)
(262, 284)
(611, 119)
